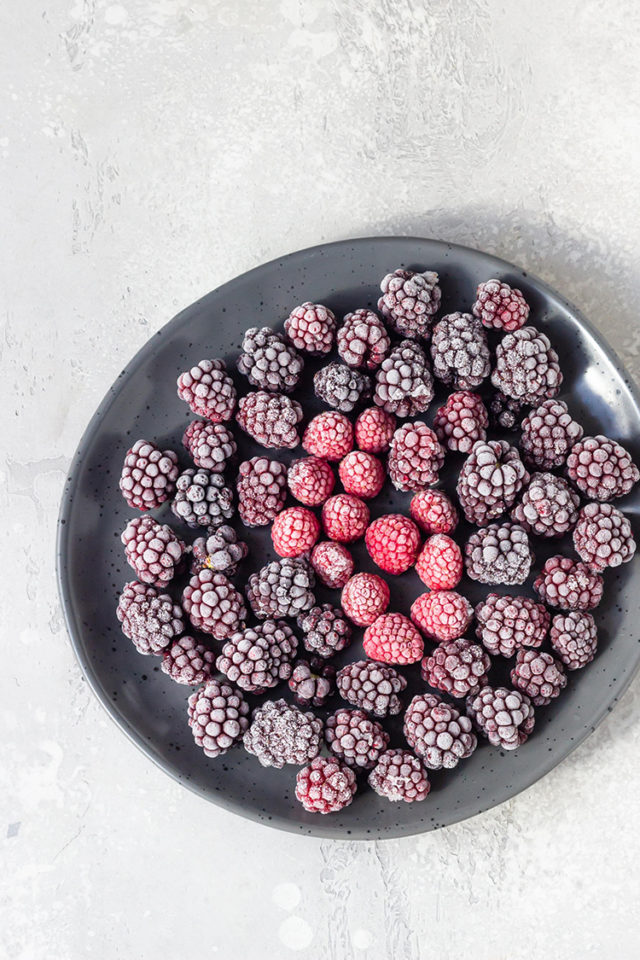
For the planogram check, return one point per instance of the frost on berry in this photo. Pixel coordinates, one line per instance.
(325, 631)
(458, 667)
(258, 658)
(434, 512)
(574, 637)
(355, 739)
(341, 387)
(499, 553)
(211, 445)
(345, 518)
(187, 661)
(504, 716)
(371, 686)
(548, 507)
(392, 638)
(282, 588)
(209, 390)
(460, 351)
(361, 474)
(152, 549)
(393, 542)
(328, 435)
(213, 604)
(461, 421)
(311, 480)
(374, 429)
(218, 717)
(280, 734)
(311, 327)
(438, 733)
(416, 457)
(325, 786)
(539, 675)
(409, 301)
(568, 584)
(363, 340)
(268, 361)
(603, 537)
(490, 479)
(270, 418)
(404, 384)
(506, 623)
(601, 468)
(364, 598)
(150, 619)
(399, 776)
(294, 532)
(442, 615)
(548, 434)
(500, 306)
(148, 475)
(262, 490)
(527, 366)
(332, 563)
(439, 564)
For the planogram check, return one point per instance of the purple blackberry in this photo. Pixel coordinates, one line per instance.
(148, 475)
(269, 362)
(404, 384)
(539, 675)
(601, 468)
(280, 733)
(603, 537)
(283, 588)
(548, 434)
(341, 387)
(505, 413)
(209, 390)
(363, 340)
(460, 351)
(312, 682)
(499, 554)
(221, 552)
(211, 445)
(355, 739)
(271, 419)
(325, 786)
(569, 585)
(490, 480)
(416, 457)
(152, 549)
(311, 327)
(218, 717)
(500, 306)
(461, 422)
(548, 507)
(505, 717)
(187, 661)
(151, 620)
(325, 630)
(409, 300)
(458, 667)
(438, 733)
(213, 604)
(258, 658)
(574, 637)
(373, 687)
(399, 775)
(505, 623)
(527, 366)
(202, 499)
(262, 490)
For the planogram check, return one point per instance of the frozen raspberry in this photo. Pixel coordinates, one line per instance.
(460, 351)
(433, 511)
(461, 421)
(258, 658)
(221, 552)
(312, 682)
(211, 445)
(217, 717)
(268, 361)
(527, 366)
(439, 564)
(601, 468)
(409, 300)
(538, 675)
(505, 623)
(500, 306)
(490, 480)
(363, 340)
(271, 419)
(148, 475)
(548, 434)
(294, 532)
(151, 620)
(499, 554)
(325, 631)
(569, 585)
(574, 637)
(209, 390)
(187, 661)
(282, 588)
(332, 563)
(404, 384)
(355, 739)
(364, 598)
(202, 499)
(374, 430)
(458, 667)
(399, 775)
(393, 542)
(311, 480)
(443, 615)
(505, 413)
(361, 474)
(371, 686)
(152, 549)
(504, 716)
(341, 387)
(262, 490)
(345, 518)
(280, 733)
(603, 537)
(392, 638)
(548, 506)
(416, 457)
(329, 435)
(438, 733)
(213, 604)
(325, 786)
(311, 327)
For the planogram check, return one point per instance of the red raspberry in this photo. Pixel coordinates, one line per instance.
(364, 598)
(345, 518)
(440, 563)
(392, 638)
(393, 542)
(332, 563)
(361, 474)
(329, 435)
(374, 430)
(443, 615)
(294, 532)
(311, 480)
(433, 512)
(325, 786)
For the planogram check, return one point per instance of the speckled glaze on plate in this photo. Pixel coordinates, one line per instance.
(151, 709)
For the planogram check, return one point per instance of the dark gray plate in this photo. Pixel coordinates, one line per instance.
(151, 709)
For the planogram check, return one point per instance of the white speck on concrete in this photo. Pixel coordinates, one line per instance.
(286, 896)
(295, 933)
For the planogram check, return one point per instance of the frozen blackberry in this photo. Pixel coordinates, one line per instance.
(601, 468)
(148, 475)
(311, 327)
(416, 457)
(325, 631)
(312, 682)
(211, 445)
(258, 658)
(527, 366)
(399, 775)
(271, 419)
(341, 387)
(506, 623)
(283, 588)
(460, 351)
(268, 361)
(213, 604)
(490, 480)
(574, 637)
(505, 413)
(539, 675)
(151, 620)
(461, 421)
(409, 300)
(355, 739)
(499, 554)
(548, 434)
(500, 306)
(221, 552)
(363, 340)
(262, 490)
(371, 686)
(603, 537)
(218, 717)
(152, 549)
(458, 667)
(202, 499)
(187, 661)
(209, 390)
(325, 786)
(505, 717)
(438, 733)
(404, 384)
(569, 585)
(280, 733)
(548, 507)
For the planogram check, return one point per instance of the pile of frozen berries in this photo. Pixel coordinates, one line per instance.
(369, 692)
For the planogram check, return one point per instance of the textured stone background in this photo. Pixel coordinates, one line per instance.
(150, 150)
